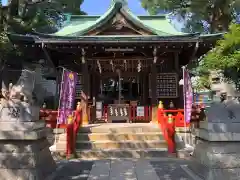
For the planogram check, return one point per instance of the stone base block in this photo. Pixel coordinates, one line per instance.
(206, 173)
(25, 160)
(221, 159)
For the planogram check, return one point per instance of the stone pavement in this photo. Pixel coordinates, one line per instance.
(126, 169)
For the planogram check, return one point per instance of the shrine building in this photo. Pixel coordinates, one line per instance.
(120, 58)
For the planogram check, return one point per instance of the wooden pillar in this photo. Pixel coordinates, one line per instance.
(176, 61)
(130, 87)
(94, 94)
(98, 84)
(154, 87)
(145, 88)
(93, 81)
(180, 91)
(84, 100)
(58, 88)
(154, 84)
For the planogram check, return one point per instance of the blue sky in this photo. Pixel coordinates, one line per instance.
(98, 7)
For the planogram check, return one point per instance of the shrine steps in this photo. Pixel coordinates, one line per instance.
(102, 141)
(122, 153)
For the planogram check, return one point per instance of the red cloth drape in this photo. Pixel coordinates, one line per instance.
(72, 130)
(76, 125)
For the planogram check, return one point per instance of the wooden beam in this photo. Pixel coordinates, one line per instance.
(92, 49)
(125, 74)
(119, 59)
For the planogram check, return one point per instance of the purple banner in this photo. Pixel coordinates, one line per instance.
(188, 95)
(67, 97)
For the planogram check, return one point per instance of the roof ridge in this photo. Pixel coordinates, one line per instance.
(85, 25)
(123, 2)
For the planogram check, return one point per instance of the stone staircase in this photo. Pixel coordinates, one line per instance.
(101, 141)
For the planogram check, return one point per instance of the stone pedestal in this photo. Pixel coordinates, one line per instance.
(24, 151)
(218, 144)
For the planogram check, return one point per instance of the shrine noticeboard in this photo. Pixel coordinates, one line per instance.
(167, 85)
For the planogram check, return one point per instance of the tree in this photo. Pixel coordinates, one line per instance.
(72, 6)
(26, 16)
(225, 56)
(199, 15)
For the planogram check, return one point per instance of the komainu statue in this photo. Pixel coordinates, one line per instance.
(17, 103)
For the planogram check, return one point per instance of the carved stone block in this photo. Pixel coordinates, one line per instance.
(18, 111)
(221, 159)
(218, 144)
(24, 151)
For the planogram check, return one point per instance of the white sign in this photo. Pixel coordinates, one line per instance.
(140, 111)
(99, 105)
(98, 114)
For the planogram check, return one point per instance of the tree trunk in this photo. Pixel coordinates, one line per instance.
(13, 8)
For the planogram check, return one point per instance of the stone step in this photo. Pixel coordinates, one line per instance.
(118, 141)
(122, 153)
(120, 128)
(118, 153)
(117, 136)
(98, 145)
(120, 144)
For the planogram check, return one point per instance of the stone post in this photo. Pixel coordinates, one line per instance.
(24, 149)
(218, 142)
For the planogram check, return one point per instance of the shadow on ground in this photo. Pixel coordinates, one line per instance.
(125, 169)
(171, 169)
(77, 170)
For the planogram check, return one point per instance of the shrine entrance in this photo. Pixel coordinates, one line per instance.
(124, 83)
(119, 87)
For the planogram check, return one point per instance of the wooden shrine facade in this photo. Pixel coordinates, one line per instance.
(143, 53)
(155, 73)
(156, 68)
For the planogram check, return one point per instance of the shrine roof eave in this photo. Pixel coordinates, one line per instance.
(209, 37)
(33, 39)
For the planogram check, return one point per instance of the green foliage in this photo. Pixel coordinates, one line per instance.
(225, 56)
(25, 16)
(217, 13)
(203, 83)
(71, 6)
